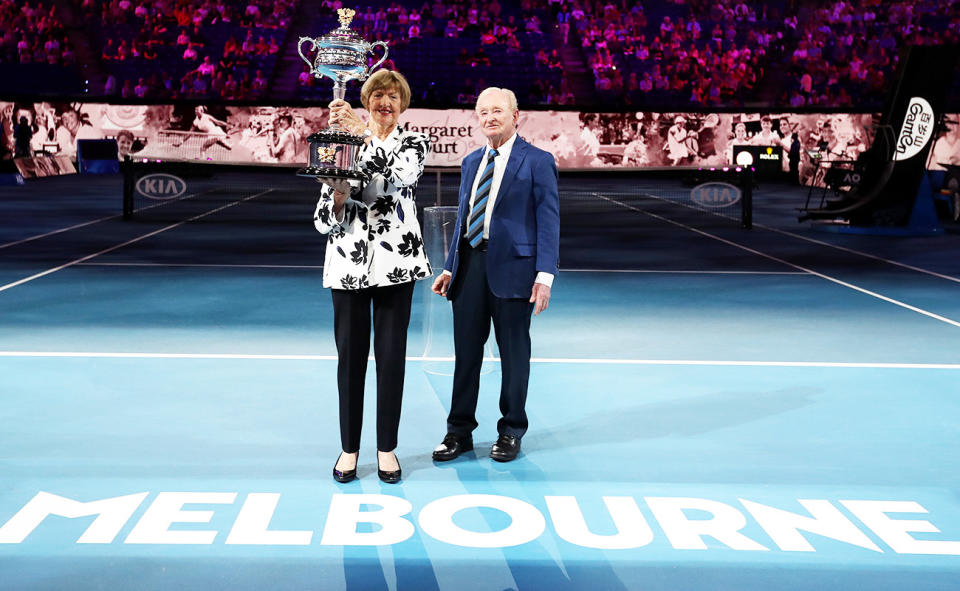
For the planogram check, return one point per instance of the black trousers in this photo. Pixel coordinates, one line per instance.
(474, 306)
(351, 328)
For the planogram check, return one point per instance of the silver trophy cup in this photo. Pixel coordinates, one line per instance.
(340, 55)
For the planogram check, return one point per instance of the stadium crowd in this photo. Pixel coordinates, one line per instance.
(159, 49)
(835, 53)
(33, 34)
(488, 40)
(844, 52)
(595, 53)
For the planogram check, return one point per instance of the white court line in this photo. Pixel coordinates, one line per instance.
(200, 265)
(55, 232)
(812, 240)
(556, 360)
(861, 253)
(127, 243)
(862, 290)
(692, 272)
(683, 272)
(97, 221)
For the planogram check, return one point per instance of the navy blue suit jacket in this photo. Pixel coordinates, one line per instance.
(525, 225)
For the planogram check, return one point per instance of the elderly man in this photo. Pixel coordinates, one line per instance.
(500, 267)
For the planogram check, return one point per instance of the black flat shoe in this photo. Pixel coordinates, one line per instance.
(505, 449)
(389, 477)
(345, 475)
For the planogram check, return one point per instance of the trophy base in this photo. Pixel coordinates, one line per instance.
(331, 173)
(333, 154)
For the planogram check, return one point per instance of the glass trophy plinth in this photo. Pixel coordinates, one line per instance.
(439, 225)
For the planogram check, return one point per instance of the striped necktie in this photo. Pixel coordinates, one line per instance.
(475, 225)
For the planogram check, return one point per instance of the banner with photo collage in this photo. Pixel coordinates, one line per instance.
(277, 135)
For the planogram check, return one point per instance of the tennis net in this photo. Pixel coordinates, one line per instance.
(174, 190)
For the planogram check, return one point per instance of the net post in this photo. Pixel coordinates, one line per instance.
(746, 202)
(128, 182)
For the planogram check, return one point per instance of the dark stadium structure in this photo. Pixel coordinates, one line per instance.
(888, 190)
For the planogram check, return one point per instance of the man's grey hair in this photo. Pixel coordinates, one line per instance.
(511, 98)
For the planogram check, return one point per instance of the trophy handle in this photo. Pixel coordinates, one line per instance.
(300, 50)
(383, 59)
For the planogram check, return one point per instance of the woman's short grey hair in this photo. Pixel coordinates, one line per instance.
(386, 80)
(511, 98)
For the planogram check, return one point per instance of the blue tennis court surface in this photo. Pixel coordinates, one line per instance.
(711, 408)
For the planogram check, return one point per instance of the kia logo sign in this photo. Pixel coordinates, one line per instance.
(715, 195)
(161, 186)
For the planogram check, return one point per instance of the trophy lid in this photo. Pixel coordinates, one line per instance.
(344, 32)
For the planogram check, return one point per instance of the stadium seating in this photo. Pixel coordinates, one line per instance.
(657, 55)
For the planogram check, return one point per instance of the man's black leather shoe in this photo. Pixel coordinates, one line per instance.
(451, 447)
(505, 449)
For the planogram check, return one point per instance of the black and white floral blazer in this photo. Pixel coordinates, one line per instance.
(378, 242)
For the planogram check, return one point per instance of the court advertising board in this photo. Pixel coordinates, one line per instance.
(578, 140)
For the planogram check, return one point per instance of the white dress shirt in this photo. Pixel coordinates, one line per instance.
(499, 167)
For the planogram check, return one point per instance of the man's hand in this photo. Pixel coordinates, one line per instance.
(540, 298)
(440, 284)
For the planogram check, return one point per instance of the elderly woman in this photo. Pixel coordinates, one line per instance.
(374, 255)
